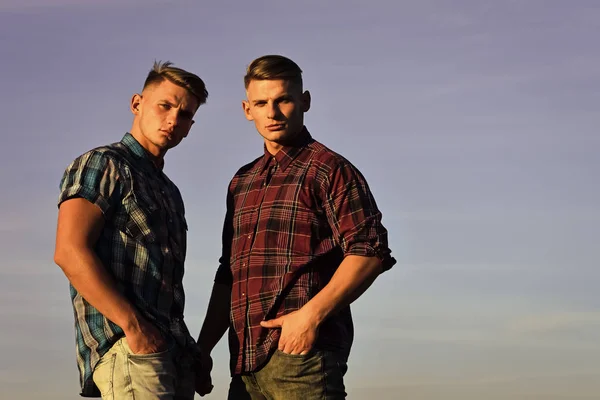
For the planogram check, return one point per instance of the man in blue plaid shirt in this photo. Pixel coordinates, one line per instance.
(121, 242)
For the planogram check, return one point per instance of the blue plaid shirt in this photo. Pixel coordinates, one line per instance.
(142, 245)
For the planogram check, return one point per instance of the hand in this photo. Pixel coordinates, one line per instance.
(145, 338)
(203, 380)
(298, 332)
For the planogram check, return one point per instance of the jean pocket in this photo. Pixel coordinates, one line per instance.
(309, 354)
(131, 354)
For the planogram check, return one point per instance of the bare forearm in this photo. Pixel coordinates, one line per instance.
(216, 321)
(88, 275)
(352, 278)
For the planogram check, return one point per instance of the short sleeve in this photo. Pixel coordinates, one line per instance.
(92, 176)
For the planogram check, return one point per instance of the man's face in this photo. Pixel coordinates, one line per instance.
(163, 116)
(277, 108)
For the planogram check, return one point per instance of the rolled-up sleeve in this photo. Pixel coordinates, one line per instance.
(354, 217)
(92, 176)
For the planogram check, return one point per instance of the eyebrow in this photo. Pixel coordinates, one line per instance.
(184, 111)
(285, 96)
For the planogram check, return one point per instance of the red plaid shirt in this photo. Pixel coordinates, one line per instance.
(291, 219)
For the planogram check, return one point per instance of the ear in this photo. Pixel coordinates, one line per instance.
(305, 101)
(188, 131)
(136, 102)
(246, 108)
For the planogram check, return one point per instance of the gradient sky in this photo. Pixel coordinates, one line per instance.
(473, 122)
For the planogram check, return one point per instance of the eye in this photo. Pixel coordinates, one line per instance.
(259, 104)
(165, 106)
(186, 115)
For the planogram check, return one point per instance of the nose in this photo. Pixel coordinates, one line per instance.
(173, 117)
(272, 111)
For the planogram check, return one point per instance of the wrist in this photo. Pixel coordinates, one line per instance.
(204, 347)
(204, 343)
(131, 323)
(313, 314)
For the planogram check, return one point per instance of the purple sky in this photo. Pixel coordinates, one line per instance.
(473, 122)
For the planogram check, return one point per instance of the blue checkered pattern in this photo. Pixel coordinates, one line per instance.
(143, 246)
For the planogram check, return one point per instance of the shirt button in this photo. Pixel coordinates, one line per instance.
(249, 236)
(243, 264)
(170, 221)
(243, 294)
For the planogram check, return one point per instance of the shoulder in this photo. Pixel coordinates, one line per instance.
(114, 153)
(100, 164)
(326, 159)
(248, 168)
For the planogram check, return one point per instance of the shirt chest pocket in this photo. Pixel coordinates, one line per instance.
(143, 215)
(290, 226)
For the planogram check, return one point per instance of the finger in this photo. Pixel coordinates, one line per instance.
(292, 348)
(205, 386)
(295, 351)
(285, 347)
(273, 323)
(205, 391)
(306, 349)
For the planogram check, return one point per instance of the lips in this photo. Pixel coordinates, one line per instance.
(275, 127)
(169, 134)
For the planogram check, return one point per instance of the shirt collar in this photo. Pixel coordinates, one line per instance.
(139, 152)
(287, 154)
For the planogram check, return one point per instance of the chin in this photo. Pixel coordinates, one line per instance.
(277, 136)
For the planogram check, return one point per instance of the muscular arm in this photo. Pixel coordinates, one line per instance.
(80, 224)
(300, 328)
(354, 275)
(355, 222)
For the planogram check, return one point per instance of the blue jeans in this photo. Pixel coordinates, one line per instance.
(316, 375)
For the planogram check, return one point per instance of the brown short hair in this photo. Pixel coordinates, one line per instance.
(272, 67)
(165, 70)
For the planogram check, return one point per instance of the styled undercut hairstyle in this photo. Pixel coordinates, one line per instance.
(272, 67)
(165, 70)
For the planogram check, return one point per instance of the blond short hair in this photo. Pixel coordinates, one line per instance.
(165, 70)
(272, 67)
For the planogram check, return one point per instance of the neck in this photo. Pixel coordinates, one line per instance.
(296, 140)
(272, 147)
(155, 153)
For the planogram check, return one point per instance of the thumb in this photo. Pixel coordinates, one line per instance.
(273, 323)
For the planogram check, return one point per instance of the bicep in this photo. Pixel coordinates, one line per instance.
(349, 202)
(79, 223)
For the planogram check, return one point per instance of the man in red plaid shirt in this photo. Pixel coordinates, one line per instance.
(302, 240)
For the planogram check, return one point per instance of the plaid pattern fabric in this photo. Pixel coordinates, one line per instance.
(143, 246)
(291, 218)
